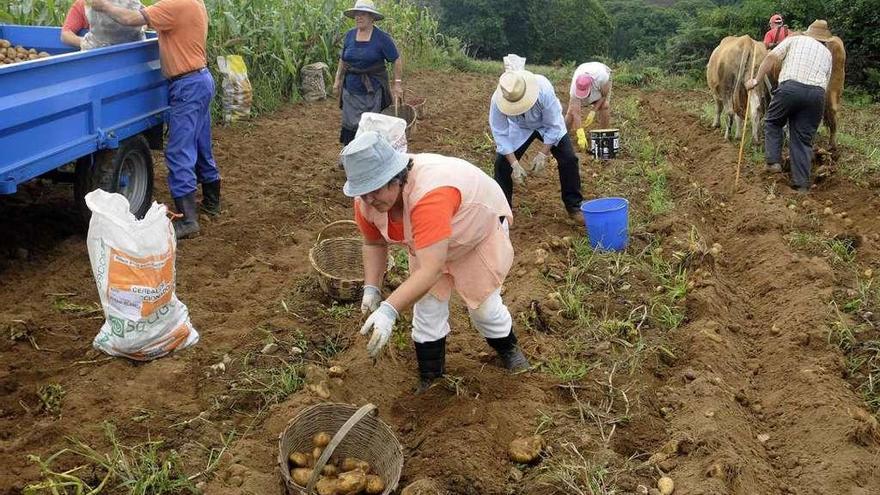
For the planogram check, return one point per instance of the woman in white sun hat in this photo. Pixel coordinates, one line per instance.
(362, 77)
(453, 219)
(524, 108)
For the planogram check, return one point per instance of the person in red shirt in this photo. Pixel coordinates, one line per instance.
(74, 23)
(778, 31)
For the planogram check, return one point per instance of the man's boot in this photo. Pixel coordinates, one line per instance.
(211, 198)
(188, 226)
(510, 353)
(432, 362)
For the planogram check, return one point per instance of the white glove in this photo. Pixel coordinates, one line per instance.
(381, 321)
(372, 298)
(539, 163)
(519, 174)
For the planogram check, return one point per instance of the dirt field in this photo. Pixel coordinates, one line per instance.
(703, 353)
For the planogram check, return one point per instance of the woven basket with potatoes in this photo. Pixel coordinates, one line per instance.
(339, 449)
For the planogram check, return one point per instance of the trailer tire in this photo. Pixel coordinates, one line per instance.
(127, 170)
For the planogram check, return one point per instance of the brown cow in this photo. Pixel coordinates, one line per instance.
(833, 92)
(728, 69)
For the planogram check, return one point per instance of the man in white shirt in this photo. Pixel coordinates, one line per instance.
(524, 108)
(799, 101)
(590, 87)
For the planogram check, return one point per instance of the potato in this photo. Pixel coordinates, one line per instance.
(327, 486)
(526, 450)
(11, 53)
(352, 463)
(44, 54)
(375, 485)
(665, 485)
(32, 56)
(4, 43)
(298, 459)
(301, 476)
(316, 453)
(321, 439)
(351, 482)
(32, 51)
(330, 470)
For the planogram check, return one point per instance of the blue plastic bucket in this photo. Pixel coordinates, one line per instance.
(607, 222)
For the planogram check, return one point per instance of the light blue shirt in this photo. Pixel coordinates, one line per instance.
(545, 116)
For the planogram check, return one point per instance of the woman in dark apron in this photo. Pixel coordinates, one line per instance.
(362, 81)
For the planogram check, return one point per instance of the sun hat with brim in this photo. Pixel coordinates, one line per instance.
(370, 163)
(582, 85)
(517, 92)
(364, 6)
(819, 30)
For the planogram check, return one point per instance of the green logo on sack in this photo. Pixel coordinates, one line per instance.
(117, 326)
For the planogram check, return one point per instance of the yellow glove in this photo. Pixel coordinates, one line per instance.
(582, 140)
(589, 119)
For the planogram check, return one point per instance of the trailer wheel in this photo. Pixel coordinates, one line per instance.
(127, 170)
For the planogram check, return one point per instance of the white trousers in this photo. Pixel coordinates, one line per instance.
(431, 318)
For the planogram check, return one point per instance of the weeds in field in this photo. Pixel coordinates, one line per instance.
(142, 469)
(60, 303)
(340, 311)
(568, 367)
(840, 251)
(573, 473)
(50, 396)
(269, 385)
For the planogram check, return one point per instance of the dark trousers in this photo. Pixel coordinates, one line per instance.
(567, 163)
(801, 107)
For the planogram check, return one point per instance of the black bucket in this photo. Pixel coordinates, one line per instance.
(605, 143)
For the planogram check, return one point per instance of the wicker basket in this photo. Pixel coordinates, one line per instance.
(404, 111)
(339, 263)
(357, 432)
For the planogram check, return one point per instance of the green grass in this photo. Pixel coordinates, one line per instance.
(142, 469)
(839, 251)
(574, 473)
(50, 396)
(340, 311)
(567, 368)
(269, 385)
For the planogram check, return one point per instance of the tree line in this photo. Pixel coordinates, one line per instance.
(677, 35)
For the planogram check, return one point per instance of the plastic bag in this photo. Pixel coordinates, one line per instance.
(238, 95)
(133, 265)
(393, 129)
(313, 84)
(104, 31)
(514, 62)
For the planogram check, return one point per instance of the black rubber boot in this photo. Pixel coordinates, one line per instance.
(510, 353)
(188, 226)
(211, 198)
(432, 362)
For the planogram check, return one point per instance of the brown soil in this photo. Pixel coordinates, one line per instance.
(752, 359)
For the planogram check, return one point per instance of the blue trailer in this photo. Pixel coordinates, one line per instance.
(102, 110)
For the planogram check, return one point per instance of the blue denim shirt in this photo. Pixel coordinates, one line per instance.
(545, 117)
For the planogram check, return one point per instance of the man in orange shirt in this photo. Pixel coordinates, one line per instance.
(777, 32)
(453, 219)
(183, 30)
(74, 23)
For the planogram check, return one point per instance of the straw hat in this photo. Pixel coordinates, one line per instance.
(517, 92)
(370, 163)
(819, 30)
(364, 6)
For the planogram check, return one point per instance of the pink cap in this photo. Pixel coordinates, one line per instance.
(582, 85)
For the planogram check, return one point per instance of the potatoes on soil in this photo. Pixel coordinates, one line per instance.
(351, 482)
(353, 463)
(298, 459)
(665, 485)
(321, 439)
(375, 485)
(526, 450)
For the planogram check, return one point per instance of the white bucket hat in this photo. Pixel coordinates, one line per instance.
(517, 92)
(370, 163)
(364, 6)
